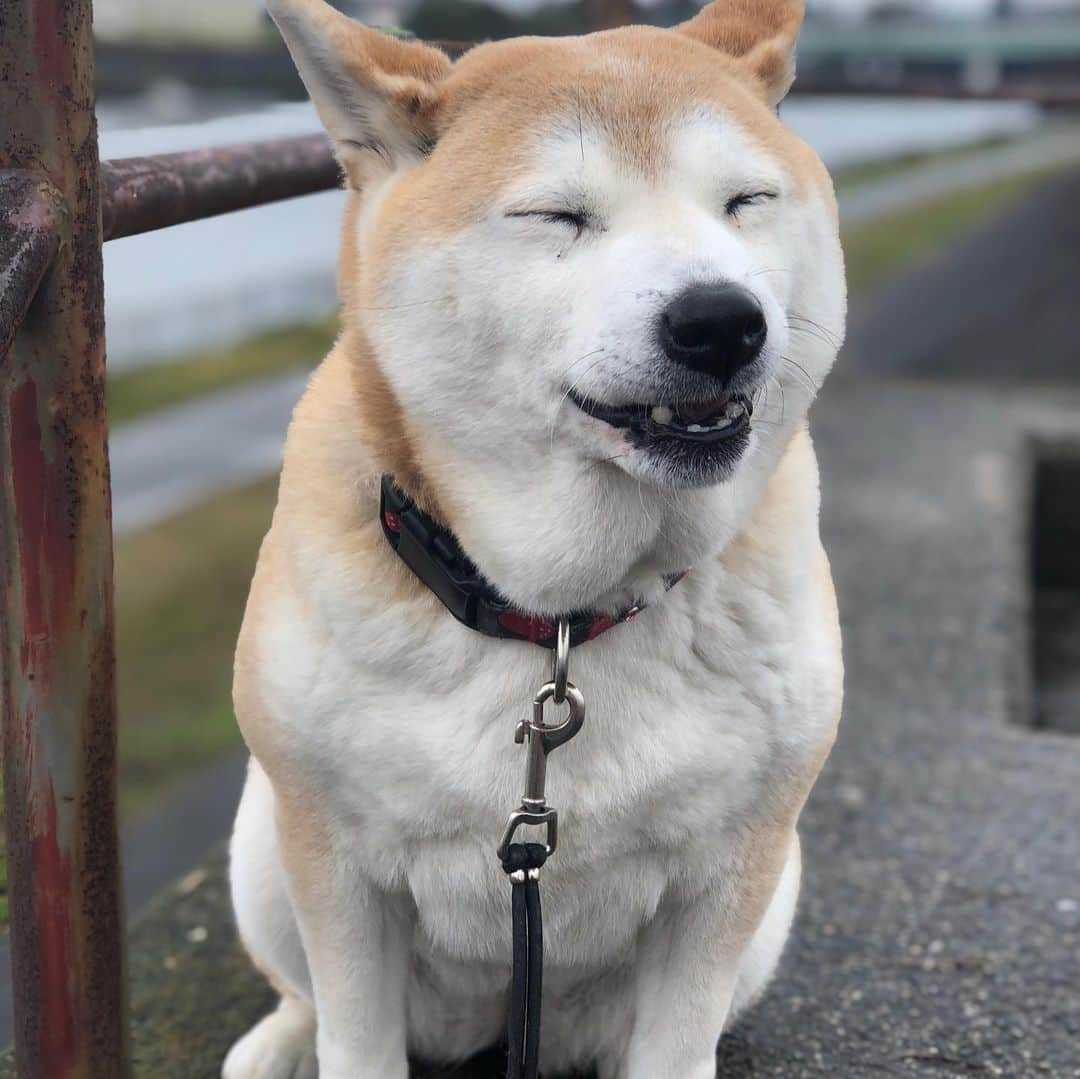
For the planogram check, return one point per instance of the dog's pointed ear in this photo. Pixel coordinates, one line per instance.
(760, 34)
(373, 92)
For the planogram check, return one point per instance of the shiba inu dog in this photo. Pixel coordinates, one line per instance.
(589, 289)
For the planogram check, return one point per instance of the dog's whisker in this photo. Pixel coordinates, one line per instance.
(812, 333)
(814, 329)
(783, 399)
(403, 306)
(573, 385)
(581, 359)
(811, 384)
(641, 499)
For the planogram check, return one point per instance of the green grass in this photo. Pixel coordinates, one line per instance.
(138, 392)
(881, 249)
(887, 168)
(180, 594)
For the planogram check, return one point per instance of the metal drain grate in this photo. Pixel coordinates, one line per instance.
(1055, 586)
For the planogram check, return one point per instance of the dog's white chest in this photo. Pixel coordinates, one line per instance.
(687, 727)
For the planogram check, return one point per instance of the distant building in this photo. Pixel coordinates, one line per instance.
(226, 21)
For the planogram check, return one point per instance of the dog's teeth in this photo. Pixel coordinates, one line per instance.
(733, 409)
(697, 428)
(720, 425)
(662, 414)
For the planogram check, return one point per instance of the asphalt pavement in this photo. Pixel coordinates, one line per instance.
(1001, 305)
(171, 460)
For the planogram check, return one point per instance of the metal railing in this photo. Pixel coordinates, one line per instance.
(57, 659)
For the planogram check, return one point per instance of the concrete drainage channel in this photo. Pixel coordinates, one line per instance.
(1054, 549)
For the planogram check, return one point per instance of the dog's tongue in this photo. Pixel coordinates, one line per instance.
(700, 410)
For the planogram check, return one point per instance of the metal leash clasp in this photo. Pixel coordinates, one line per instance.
(540, 739)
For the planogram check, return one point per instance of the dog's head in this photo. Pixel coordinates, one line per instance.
(592, 272)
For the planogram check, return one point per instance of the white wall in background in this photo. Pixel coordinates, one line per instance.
(212, 282)
(206, 20)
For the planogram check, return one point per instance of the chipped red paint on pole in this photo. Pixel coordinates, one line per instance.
(30, 213)
(56, 611)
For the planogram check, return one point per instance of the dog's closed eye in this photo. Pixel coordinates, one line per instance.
(747, 198)
(578, 220)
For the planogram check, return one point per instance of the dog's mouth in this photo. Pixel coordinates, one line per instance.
(696, 423)
(696, 441)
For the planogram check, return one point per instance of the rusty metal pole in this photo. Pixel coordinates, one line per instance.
(56, 611)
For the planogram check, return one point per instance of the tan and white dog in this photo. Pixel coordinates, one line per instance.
(590, 287)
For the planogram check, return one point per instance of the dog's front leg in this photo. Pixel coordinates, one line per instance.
(697, 955)
(685, 980)
(357, 942)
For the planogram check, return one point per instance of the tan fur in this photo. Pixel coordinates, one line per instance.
(761, 35)
(500, 94)
(403, 73)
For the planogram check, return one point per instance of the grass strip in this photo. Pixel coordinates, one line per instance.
(878, 250)
(143, 390)
(180, 593)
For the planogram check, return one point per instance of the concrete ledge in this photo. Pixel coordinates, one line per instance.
(192, 986)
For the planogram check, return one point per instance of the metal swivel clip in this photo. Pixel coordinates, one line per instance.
(540, 739)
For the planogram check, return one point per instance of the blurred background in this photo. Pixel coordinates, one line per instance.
(952, 129)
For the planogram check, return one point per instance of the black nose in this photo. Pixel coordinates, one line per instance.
(716, 329)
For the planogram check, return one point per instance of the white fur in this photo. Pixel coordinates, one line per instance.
(694, 712)
(708, 717)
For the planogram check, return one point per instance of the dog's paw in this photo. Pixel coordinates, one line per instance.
(281, 1046)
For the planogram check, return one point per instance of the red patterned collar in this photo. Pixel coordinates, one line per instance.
(433, 553)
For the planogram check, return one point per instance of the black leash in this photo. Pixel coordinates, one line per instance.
(522, 865)
(522, 861)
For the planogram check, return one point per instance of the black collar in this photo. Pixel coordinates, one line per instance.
(433, 553)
